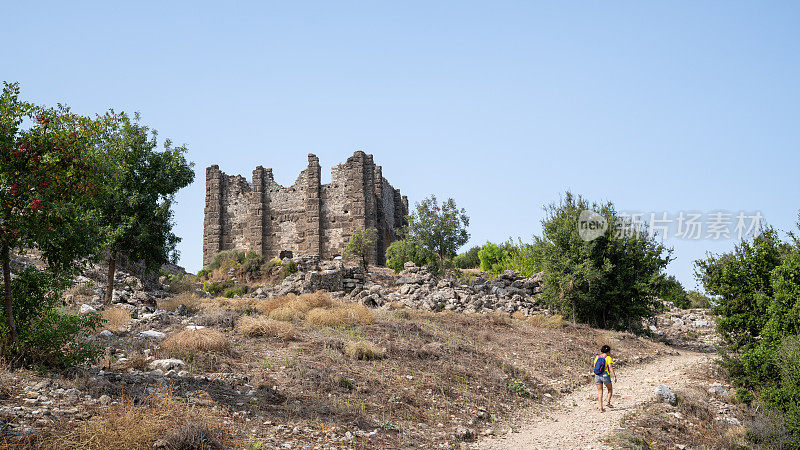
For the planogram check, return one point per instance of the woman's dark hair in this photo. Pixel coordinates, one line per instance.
(605, 349)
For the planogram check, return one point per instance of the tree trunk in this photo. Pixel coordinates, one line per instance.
(9, 304)
(112, 267)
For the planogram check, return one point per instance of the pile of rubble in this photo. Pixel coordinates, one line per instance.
(693, 329)
(415, 287)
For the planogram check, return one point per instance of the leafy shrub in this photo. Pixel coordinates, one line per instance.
(227, 259)
(289, 269)
(493, 258)
(47, 337)
(607, 282)
(524, 258)
(235, 290)
(181, 283)
(468, 259)
(758, 313)
(215, 288)
(402, 251)
(360, 244)
(202, 274)
(698, 300)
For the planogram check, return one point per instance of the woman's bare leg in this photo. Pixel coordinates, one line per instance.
(600, 396)
(610, 393)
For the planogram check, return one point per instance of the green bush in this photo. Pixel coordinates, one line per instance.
(202, 274)
(235, 290)
(253, 263)
(289, 269)
(757, 289)
(48, 338)
(468, 259)
(494, 259)
(227, 259)
(177, 284)
(402, 251)
(524, 258)
(215, 288)
(606, 282)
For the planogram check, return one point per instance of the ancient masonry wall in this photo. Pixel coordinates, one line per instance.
(307, 218)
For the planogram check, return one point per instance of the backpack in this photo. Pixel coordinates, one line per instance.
(600, 365)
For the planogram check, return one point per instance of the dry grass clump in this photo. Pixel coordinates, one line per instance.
(365, 350)
(191, 300)
(132, 425)
(253, 326)
(301, 303)
(544, 321)
(230, 304)
(138, 362)
(116, 319)
(345, 314)
(217, 317)
(192, 342)
(317, 309)
(499, 318)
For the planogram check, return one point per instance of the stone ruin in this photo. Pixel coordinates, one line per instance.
(307, 218)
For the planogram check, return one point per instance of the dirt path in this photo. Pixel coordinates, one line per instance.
(576, 422)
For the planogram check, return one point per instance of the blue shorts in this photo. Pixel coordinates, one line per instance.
(602, 379)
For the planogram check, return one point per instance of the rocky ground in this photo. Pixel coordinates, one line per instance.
(376, 360)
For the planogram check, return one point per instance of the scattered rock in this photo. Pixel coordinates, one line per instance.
(664, 394)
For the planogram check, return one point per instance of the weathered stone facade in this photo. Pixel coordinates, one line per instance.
(307, 218)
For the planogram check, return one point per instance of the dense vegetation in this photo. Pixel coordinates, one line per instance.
(75, 189)
(757, 286)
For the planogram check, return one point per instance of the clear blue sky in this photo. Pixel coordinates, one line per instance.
(656, 106)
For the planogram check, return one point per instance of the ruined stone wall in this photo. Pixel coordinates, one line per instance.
(306, 218)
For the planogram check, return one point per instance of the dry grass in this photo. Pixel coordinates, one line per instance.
(191, 300)
(544, 321)
(132, 425)
(363, 350)
(346, 314)
(230, 304)
(217, 317)
(253, 326)
(192, 342)
(116, 319)
(286, 314)
(138, 362)
(499, 318)
(299, 303)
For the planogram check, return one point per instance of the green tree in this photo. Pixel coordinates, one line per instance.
(494, 258)
(139, 190)
(610, 281)
(48, 178)
(742, 281)
(757, 286)
(671, 290)
(403, 250)
(442, 230)
(361, 244)
(468, 259)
